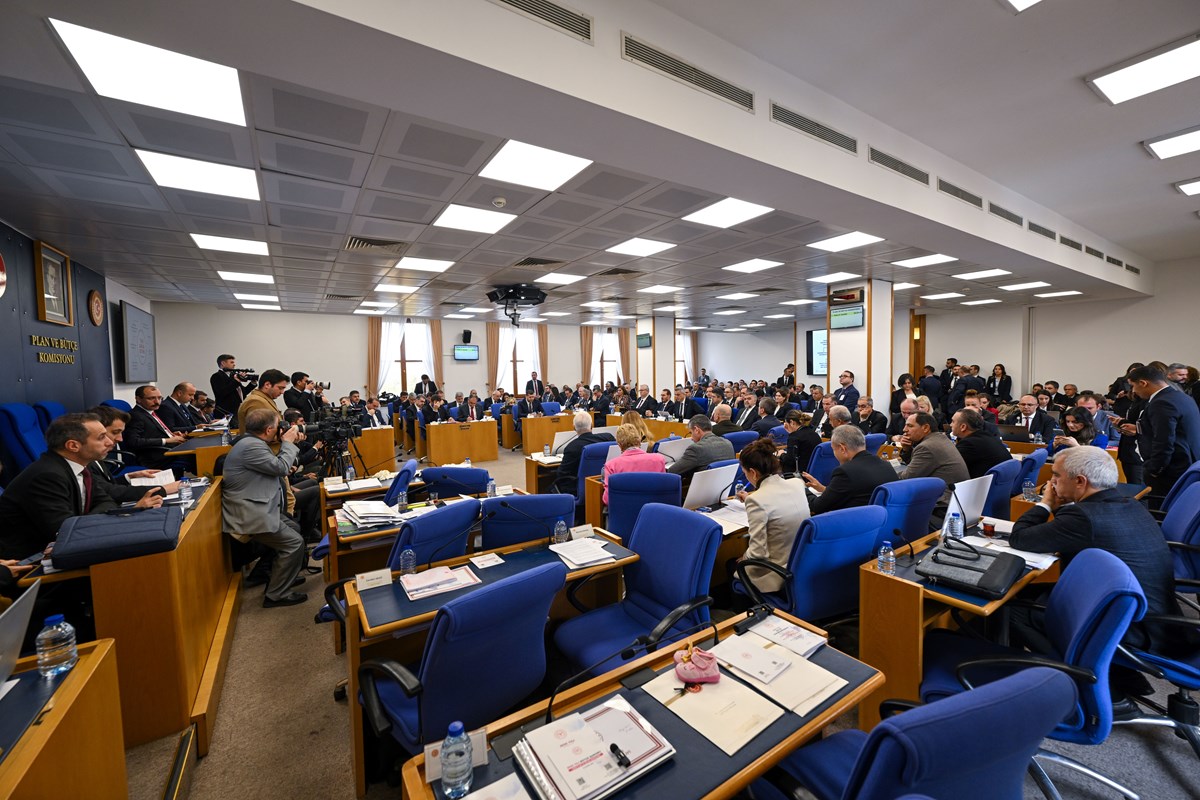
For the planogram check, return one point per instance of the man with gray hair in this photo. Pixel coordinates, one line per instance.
(722, 417)
(838, 416)
(704, 450)
(645, 404)
(567, 479)
(854, 479)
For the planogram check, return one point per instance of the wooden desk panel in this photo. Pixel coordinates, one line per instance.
(375, 450)
(452, 442)
(593, 500)
(509, 438)
(539, 477)
(75, 750)
(659, 429)
(537, 432)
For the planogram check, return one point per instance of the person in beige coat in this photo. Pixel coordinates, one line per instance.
(775, 510)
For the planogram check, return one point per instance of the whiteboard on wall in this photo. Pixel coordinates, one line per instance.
(818, 351)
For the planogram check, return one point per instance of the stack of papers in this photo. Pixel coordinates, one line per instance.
(798, 684)
(365, 483)
(366, 513)
(436, 581)
(544, 459)
(731, 519)
(727, 713)
(160, 478)
(579, 553)
(1033, 560)
(800, 641)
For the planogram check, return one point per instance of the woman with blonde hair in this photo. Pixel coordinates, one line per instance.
(924, 405)
(633, 458)
(635, 419)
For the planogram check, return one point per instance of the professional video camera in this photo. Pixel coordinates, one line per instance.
(387, 398)
(242, 374)
(337, 428)
(322, 384)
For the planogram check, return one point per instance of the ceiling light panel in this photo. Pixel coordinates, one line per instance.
(529, 165)
(979, 302)
(370, 311)
(670, 308)
(735, 330)
(1189, 188)
(727, 213)
(1059, 294)
(729, 312)
(480, 220)
(395, 288)
(1016, 287)
(459, 316)
(559, 278)
(835, 277)
(423, 264)
(899, 287)
(475, 310)
(1177, 144)
(229, 245)
(753, 265)
(639, 247)
(555, 314)
(847, 241)
(174, 172)
(753, 324)
(779, 316)
(597, 304)
(252, 298)
(621, 316)
(374, 303)
(981, 275)
(924, 261)
(943, 296)
(736, 296)
(150, 76)
(804, 302)
(1020, 5)
(1173, 64)
(245, 277)
(259, 307)
(660, 289)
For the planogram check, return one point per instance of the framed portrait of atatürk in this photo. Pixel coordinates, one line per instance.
(52, 269)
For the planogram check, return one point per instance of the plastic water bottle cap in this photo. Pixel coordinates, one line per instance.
(887, 543)
(456, 728)
(55, 619)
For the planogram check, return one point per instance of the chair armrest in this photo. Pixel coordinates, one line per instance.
(573, 591)
(372, 705)
(332, 600)
(668, 622)
(1140, 663)
(1191, 548)
(889, 708)
(1027, 660)
(755, 594)
(1171, 619)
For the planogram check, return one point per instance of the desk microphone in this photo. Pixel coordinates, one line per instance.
(558, 450)
(449, 540)
(545, 526)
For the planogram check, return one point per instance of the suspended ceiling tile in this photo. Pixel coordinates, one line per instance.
(607, 184)
(315, 116)
(437, 144)
(162, 131)
(292, 217)
(102, 190)
(397, 207)
(211, 205)
(674, 200)
(304, 238)
(71, 154)
(629, 222)
(292, 156)
(385, 229)
(308, 193)
(416, 180)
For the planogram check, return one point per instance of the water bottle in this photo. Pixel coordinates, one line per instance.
(545, 451)
(402, 502)
(456, 762)
(350, 473)
(954, 528)
(56, 652)
(1029, 491)
(408, 561)
(467, 462)
(491, 487)
(225, 440)
(185, 491)
(561, 533)
(1037, 439)
(738, 488)
(887, 559)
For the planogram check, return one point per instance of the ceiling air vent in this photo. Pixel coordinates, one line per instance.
(1133, 269)
(945, 187)
(538, 262)
(813, 128)
(352, 298)
(667, 64)
(1115, 261)
(561, 18)
(617, 272)
(1091, 251)
(1042, 230)
(896, 165)
(1071, 243)
(1005, 214)
(361, 243)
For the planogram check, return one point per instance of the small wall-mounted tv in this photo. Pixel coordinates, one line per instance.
(466, 352)
(141, 359)
(846, 317)
(643, 340)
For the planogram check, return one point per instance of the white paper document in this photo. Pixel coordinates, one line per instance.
(582, 552)
(485, 561)
(507, 788)
(800, 641)
(436, 581)
(727, 713)
(801, 687)
(1034, 560)
(366, 483)
(731, 520)
(161, 478)
(747, 655)
(542, 459)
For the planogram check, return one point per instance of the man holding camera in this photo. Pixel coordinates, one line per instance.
(271, 385)
(299, 398)
(229, 386)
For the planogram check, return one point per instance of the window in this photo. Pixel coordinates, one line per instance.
(404, 353)
(685, 367)
(606, 358)
(525, 359)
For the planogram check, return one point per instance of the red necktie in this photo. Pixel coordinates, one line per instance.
(87, 489)
(166, 430)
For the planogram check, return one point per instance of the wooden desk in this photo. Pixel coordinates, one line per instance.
(537, 432)
(453, 442)
(894, 614)
(509, 438)
(539, 477)
(659, 429)
(597, 689)
(375, 450)
(593, 500)
(74, 749)
(404, 639)
(205, 450)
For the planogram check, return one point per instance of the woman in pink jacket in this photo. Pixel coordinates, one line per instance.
(633, 458)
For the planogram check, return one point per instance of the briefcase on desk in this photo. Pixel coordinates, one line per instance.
(98, 538)
(958, 565)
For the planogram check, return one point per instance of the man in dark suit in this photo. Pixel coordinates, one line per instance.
(1032, 418)
(148, 435)
(820, 417)
(747, 413)
(683, 407)
(958, 394)
(895, 428)
(930, 386)
(645, 404)
(426, 386)
(229, 386)
(788, 379)
(470, 410)
(977, 404)
(297, 398)
(979, 451)
(856, 476)
(766, 418)
(527, 406)
(175, 411)
(846, 394)
(374, 416)
(1169, 438)
(534, 385)
(104, 471)
(567, 479)
(948, 376)
(436, 411)
(722, 417)
(869, 420)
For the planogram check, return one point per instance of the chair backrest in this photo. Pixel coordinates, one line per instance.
(975, 744)
(629, 492)
(702, 402)
(437, 535)
(497, 409)
(778, 434)
(677, 549)
(1100, 440)
(909, 504)
(740, 439)
(118, 404)
(591, 462)
(400, 482)
(874, 442)
(455, 480)
(822, 463)
(506, 520)
(671, 438)
(506, 621)
(1182, 524)
(20, 433)
(826, 555)
(47, 411)
(1189, 477)
(1031, 465)
(1089, 610)
(1000, 492)
(551, 408)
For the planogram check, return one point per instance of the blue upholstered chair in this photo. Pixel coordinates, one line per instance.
(629, 492)
(740, 439)
(400, 482)
(702, 403)
(738, 477)
(822, 463)
(1031, 465)
(999, 495)
(909, 504)
(976, 745)
(1181, 529)
(779, 435)
(497, 411)
(505, 623)
(506, 520)
(455, 480)
(1089, 610)
(1189, 477)
(666, 590)
(437, 535)
(820, 581)
(550, 408)
(117, 404)
(874, 442)
(20, 434)
(516, 417)
(48, 411)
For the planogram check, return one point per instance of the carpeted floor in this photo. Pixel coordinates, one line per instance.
(280, 735)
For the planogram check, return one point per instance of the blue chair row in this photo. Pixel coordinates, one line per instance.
(740, 439)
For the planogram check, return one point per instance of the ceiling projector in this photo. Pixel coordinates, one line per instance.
(514, 298)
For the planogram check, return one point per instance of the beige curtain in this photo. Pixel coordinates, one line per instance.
(623, 345)
(493, 351)
(435, 350)
(543, 340)
(695, 337)
(585, 349)
(374, 339)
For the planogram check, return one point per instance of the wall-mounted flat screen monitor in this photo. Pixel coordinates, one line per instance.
(818, 352)
(466, 352)
(643, 340)
(845, 317)
(141, 359)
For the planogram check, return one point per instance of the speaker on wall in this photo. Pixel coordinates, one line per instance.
(466, 336)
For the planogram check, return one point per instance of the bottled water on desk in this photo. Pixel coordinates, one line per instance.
(350, 473)
(954, 526)
(225, 440)
(887, 559)
(402, 502)
(1029, 492)
(545, 451)
(408, 561)
(185, 491)
(1037, 439)
(491, 487)
(467, 462)
(56, 651)
(561, 532)
(457, 771)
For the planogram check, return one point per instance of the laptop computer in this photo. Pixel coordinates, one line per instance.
(968, 499)
(710, 487)
(673, 449)
(1014, 433)
(13, 624)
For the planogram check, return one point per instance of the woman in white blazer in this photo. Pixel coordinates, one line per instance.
(775, 510)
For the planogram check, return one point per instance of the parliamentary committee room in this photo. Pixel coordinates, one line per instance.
(665, 399)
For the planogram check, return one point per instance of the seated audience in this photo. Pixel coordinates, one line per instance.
(633, 458)
(567, 479)
(775, 510)
(906, 390)
(856, 476)
(632, 417)
(928, 453)
(869, 420)
(1033, 418)
(802, 440)
(175, 410)
(895, 428)
(705, 448)
(766, 418)
(1077, 429)
(104, 470)
(979, 450)
(147, 436)
(722, 417)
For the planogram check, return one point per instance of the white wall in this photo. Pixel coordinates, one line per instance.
(746, 356)
(984, 336)
(463, 376)
(114, 293)
(901, 346)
